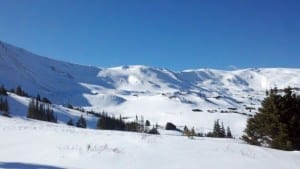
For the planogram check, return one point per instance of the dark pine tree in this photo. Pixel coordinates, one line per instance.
(45, 100)
(19, 91)
(110, 123)
(222, 131)
(147, 123)
(81, 122)
(4, 107)
(228, 133)
(31, 109)
(153, 131)
(3, 91)
(40, 111)
(217, 129)
(277, 124)
(70, 122)
(38, 97)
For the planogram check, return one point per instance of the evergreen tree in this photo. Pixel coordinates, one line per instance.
(19, 91)
(38, 97)
(98, 125)
(41, 115)
(132, 126)
(45, 100)
(277, 124)
(217, 129)
(49, 115)
(70, 106)
(222, 131)
(153, 131)
(110, 123)
(4, 107)
(228, 133)
(37, 110)
(147, 123)
(81, 122)
(70, 122)
(1, 104)
(31, 109)
(3, 90)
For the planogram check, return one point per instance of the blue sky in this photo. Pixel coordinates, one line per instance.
(174, 34)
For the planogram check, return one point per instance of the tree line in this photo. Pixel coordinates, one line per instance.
(40, 111)
(276, 125)
(218, 131)
(112, 123)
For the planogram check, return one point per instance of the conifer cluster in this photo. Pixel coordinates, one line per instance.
(19, 91)
(3, 91)
(40, 111)
(277, 124)
(112, 123)
(219, 131)
(4, 107)
(81, 123)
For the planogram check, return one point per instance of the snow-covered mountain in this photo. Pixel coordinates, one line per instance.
(195, 98)
(190, 97)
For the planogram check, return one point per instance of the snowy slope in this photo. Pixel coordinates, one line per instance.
(158, 94)
(35, 144)
(19, 105)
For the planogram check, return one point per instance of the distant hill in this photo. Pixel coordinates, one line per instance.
(189, 97)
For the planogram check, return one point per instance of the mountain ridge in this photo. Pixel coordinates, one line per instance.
(158, 94)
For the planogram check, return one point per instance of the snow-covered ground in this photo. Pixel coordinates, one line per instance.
(159, 95)
(195, 98)
(35, 144)
(202, 121)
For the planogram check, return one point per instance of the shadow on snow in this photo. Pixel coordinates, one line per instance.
(18, 165)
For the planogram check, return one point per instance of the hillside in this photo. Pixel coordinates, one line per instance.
(195, 98)
(190, 97)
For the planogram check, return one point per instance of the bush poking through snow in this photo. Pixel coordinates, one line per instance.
(153, 131)
(189, 133)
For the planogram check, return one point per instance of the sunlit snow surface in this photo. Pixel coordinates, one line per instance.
(159, 95)
(33, 144)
